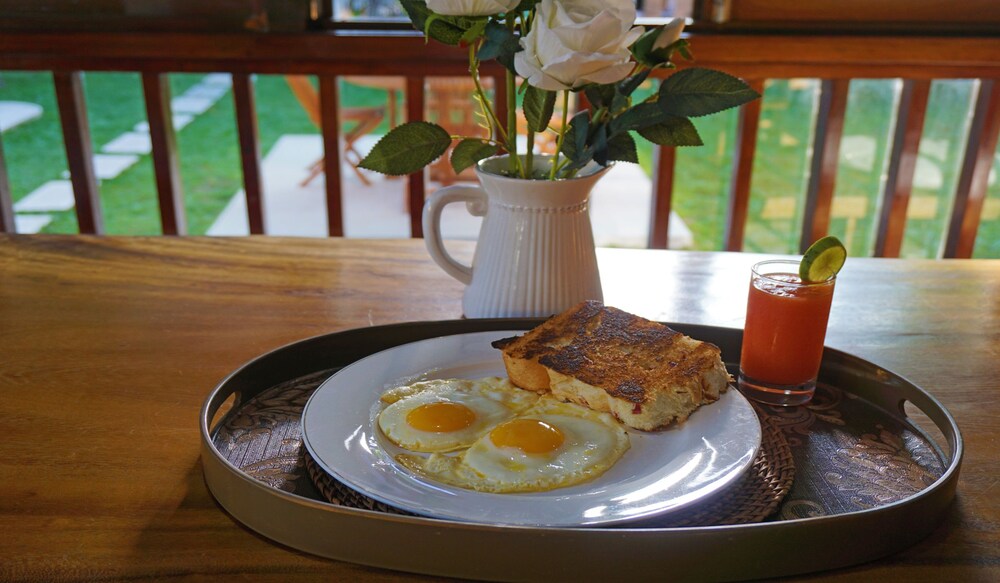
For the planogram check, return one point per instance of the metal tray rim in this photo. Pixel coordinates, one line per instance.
(233, 488)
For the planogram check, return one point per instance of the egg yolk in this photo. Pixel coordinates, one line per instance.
(528, 435)
(441, 417)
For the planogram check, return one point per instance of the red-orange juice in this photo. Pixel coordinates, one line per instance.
(784, 333)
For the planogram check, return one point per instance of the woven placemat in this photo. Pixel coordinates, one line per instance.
(754, 498)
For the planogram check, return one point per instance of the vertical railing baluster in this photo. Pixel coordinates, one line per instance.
(246, 124)
(902, 167)
(415, 182)
(79, 150)
(746, 146)
(663, 195)
(973, 182)
(825, 158)
(330, 121)
(7, 223)
(156, 89)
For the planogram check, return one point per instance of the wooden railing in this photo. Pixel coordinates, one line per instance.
(834, 59)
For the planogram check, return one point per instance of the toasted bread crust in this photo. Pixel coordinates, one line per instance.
(645, 373)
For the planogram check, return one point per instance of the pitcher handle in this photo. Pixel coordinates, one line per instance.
(476, 204)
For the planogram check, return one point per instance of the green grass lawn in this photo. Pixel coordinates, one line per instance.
(210, 165)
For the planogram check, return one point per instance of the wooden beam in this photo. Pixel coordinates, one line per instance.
(156, 89)
(7, 224)
(79, 150)
(746, 147)
(415, 182)
(246, 124)
(330, 128)
(973, 182)
(382, 53)
(825, 158)
(665, 161)
(902, 167)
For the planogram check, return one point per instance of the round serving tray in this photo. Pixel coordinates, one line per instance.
(869, 482)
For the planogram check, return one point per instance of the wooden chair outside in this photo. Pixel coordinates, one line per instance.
(450, 104)
(363, 120)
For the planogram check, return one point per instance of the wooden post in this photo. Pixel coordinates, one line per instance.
(7, 224)
(79, 150)
(973, 182)
(246, 124)
(415, 182)
(330, 128)
(746, 146)
(825, 158)
(902, 167)
(156, 89)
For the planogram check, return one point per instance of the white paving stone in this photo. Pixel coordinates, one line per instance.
(110, 166)
(54, 195)
(129, 143)
(15, 113)
(180, 120)
(193, 105)
(218, 79)
(31, 224)
(620, 204)
(213, 92)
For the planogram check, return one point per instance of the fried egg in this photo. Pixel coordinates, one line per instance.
(449, 414)
(551, 445)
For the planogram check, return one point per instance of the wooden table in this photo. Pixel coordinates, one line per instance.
(108, 347)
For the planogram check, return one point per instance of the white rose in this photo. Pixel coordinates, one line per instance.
(471, 7)
(669, 34)
(575, 42)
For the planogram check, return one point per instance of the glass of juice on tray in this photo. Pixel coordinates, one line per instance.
(787, 312)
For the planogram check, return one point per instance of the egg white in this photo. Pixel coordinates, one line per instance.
(592, 443)
(491, 399)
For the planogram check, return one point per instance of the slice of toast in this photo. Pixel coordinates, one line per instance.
(642, 372)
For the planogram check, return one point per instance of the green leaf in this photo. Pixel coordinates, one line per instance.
(675, 131)
(600, 95)
(407, 148)
(629, 84)
(622, 148)
(684, 48)
(474, 32)
(697, 92)
(574, 144)
(450, 30)
(538, 106)
(469, 151)
(642, 48)
(641, 116)
(500, 44)
(600, 144)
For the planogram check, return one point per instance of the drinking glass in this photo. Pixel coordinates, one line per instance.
(784, 333)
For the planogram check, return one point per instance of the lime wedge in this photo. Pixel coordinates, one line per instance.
(822, 260)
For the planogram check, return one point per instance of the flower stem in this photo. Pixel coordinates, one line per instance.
(515, 162)
(562, 134)
(529, 155)
(495, 126)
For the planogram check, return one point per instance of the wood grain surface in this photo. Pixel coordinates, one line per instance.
(109, 346)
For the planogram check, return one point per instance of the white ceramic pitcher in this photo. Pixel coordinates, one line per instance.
(535, 254)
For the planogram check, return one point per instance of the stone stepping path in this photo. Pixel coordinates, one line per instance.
(115, 157)
(15, 113)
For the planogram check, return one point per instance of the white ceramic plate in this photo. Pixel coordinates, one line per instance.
(661, 472)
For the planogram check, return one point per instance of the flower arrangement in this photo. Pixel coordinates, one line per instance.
(551, 48)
